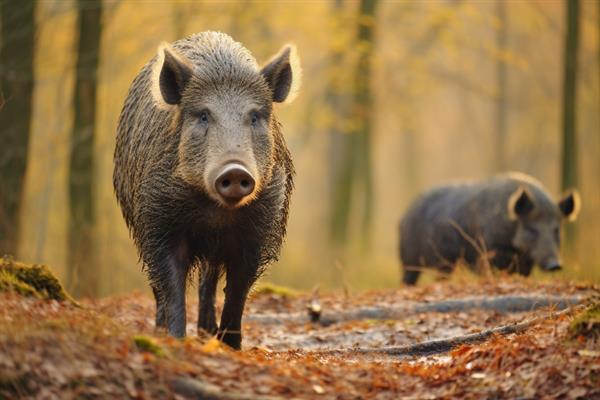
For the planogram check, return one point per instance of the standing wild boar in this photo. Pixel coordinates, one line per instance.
(203, 175)
(509, 219)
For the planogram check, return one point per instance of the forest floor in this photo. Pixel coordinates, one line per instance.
(108, 348)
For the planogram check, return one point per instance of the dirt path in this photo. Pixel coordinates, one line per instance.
(52, 350)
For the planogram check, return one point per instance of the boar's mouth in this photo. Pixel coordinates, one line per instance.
(234, 184)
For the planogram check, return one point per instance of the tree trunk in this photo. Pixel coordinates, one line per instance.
(363, 99)
(82, 268)
(500, 162)
(354, 173)
(569, 145)
(340, 178)
(363, 109)
(17, 24)
(411, 143)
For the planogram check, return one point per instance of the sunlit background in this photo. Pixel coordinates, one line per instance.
(397, 96)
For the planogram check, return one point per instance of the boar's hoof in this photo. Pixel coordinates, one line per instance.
(232, 339)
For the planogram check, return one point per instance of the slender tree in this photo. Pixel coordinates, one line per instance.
(418, 50)
(569, 134)
(364, 110)
(338, 136)
(82, 271)
(17, 25)
(355, 173)
(500, 162)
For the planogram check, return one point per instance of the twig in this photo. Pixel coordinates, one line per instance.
(439, 346)
(480, 247)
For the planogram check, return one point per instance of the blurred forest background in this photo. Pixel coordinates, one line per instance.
(397, 96)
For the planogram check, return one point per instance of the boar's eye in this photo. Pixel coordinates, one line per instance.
(557, 235)
(254, 118)
(203, 117)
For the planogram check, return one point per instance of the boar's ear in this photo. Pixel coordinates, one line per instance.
(570, 205)
(171, 75)
(520, 204)
(283, 74)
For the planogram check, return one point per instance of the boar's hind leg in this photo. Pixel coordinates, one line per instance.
(239, 282)
(209, 277)
(161, 314)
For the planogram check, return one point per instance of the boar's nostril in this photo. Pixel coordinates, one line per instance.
(234, 183)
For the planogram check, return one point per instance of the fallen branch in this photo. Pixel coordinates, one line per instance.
(439, 346)
(194, 389)
(501, 304)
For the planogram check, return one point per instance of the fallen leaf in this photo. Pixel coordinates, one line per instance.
(318, 389)
(576, 393)
(212, 345)
(589, 353)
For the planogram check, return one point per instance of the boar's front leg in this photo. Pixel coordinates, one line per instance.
(161, 313)
(240, 277)
(508, 259)
(209, 277)
(170, 278)
(524, 265)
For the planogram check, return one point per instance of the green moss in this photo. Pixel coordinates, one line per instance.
(146, 344)
(587, 322)
(31, 280)
(272, 289)
(10, 283)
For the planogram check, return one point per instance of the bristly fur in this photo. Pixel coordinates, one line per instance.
(160, 208)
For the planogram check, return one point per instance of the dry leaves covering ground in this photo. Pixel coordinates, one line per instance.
(108, 349)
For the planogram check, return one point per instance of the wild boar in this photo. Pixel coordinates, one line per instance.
(203, 174)
(509, 221)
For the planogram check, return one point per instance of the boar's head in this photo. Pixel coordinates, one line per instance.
(539, 223)
(223, 114)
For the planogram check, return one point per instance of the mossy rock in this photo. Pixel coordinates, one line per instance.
(587, 322)
(9, 282)
(31, 280)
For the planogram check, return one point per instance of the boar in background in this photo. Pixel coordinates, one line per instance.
(509, 221)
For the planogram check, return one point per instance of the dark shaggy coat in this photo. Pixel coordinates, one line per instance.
(175, 224)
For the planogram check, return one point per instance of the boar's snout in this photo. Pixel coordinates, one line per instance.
(552, 265)
(234, 182)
